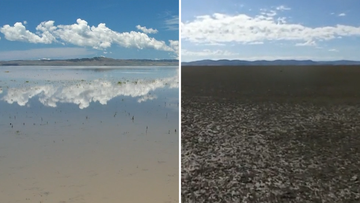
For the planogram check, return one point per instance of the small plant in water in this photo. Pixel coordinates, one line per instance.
(119, 83)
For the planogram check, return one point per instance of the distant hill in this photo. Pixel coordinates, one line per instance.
(95, 61)
(225, 62)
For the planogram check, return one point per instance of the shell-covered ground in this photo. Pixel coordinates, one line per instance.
(243, 151)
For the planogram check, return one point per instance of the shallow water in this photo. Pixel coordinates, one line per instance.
(89, 134)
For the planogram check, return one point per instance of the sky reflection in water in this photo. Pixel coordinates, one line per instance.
(140, 83)
(117, 128)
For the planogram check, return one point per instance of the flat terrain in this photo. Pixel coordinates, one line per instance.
(296, 83)
(95, 61)
(75, 135)
(271, 134)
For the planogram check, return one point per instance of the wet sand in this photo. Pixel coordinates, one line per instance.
(98, 153)
(270, 134)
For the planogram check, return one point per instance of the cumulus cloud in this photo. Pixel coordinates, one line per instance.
(83, 94)
(81, 34)
(18, 32)
(342, 14)
(102, 37)
(147, 30)
(245, 29)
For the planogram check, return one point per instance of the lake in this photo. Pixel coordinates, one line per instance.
(89, 134)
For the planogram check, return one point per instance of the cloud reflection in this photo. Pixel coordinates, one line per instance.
(85, 92)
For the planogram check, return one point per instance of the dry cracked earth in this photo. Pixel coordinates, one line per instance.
(237, 150)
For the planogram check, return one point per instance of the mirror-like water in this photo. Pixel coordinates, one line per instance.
(80, 134)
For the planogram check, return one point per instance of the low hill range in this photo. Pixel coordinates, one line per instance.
(95, 61)
(225, 62)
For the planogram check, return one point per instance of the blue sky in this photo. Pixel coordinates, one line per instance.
(126, 29)
(269, 30)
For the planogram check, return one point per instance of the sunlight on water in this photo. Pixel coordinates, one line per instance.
(89, 134)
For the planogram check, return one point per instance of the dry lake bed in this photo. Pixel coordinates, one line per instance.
(89, 134)
(270, 134)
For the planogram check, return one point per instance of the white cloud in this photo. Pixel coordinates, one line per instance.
(101, 37)
(283, 8)
(214, 44)
(307, 43)
(81, 34)
(174, 44)
(172, 23)
(45, 53)
(18, 32)
(342, 14)
(147, 97)
(333, 50)
(147, 30)
(244, 29)
(256, 42)
(25, 22)
(267, 14)
(207, 53)
(84, 93)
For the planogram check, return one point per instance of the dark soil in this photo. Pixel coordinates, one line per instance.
(271, 134)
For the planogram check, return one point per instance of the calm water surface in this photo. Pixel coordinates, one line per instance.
(89, 134)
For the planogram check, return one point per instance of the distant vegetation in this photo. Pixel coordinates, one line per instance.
(96, 61)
